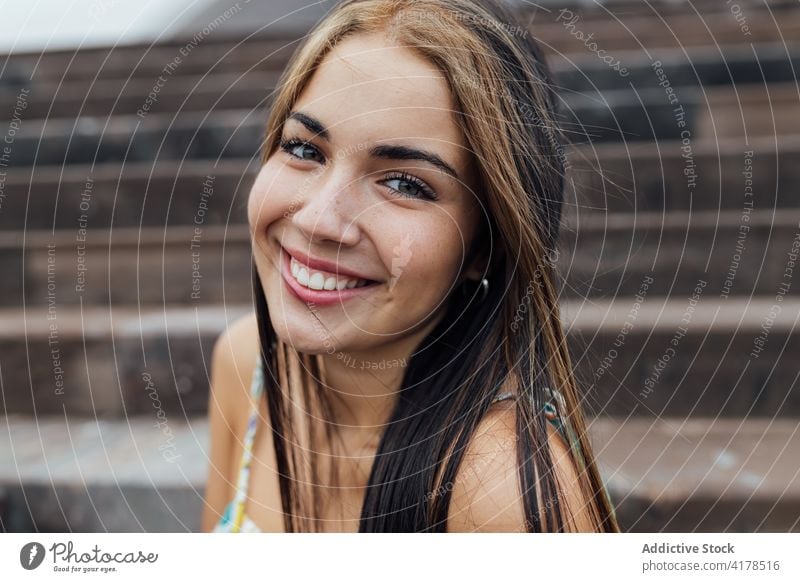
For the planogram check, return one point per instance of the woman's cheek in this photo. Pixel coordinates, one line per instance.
(266, 202)
(436, 272)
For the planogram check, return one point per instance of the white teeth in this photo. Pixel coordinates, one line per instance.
(318, 281)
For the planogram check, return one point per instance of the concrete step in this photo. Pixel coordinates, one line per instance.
(53, 99)
(181, 265)
(573, 29)
(702, 474)
(109, 363)
(136, 194)
(686, 356)
(631, 114)
(738, 254)
(129, 138)
(748, 110)
(698, 175)
(712, 63)
(707, 113)
(606, 178)
(612, 10)
(190, 56)
(617, 26)
(145, 474)
(146, 135)
(644, 356)
(705, 66)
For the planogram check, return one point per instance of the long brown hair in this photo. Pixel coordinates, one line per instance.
(512, 339)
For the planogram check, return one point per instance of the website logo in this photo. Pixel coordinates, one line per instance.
(31, 555)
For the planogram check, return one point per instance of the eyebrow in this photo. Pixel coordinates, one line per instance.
(313, 125)
(388, 152)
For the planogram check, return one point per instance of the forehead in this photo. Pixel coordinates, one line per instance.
(369, 89)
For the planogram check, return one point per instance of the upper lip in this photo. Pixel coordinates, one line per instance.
(323, 265)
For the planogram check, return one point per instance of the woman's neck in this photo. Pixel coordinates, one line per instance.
(363, 386)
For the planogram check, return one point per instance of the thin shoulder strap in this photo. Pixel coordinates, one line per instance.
(554, 409)
(256, 387)
(554, 402)
(568, 434)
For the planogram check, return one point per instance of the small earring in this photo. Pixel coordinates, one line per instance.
(467, 289)
(484, 289)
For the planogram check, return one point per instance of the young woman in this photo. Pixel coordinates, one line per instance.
(405, 368)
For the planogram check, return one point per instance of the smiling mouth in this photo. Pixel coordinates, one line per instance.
(318, 286)
(322, 280)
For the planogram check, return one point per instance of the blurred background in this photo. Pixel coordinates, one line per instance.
(130, 138)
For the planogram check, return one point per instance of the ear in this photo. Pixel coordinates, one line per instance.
(476, 267)
(476, 270)
(480, 252)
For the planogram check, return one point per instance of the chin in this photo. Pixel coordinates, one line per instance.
(297, 331)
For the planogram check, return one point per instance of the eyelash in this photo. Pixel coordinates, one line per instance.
(287, 145)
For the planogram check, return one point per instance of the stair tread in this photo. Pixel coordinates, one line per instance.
(737, 312)
(664, 460)
(673, 459)
(91, 322)
(52, 450)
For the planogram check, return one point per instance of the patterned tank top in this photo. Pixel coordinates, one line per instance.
(234, 519)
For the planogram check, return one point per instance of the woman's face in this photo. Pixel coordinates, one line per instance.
(362, 218)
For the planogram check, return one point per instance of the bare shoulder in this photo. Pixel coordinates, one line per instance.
(232, 362)
(486, 495)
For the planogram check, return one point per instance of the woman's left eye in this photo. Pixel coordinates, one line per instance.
(410, 187)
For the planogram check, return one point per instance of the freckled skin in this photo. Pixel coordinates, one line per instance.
(347, 208)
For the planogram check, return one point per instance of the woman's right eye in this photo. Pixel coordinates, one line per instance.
(301, 150)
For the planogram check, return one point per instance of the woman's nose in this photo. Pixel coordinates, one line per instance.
(327, 211)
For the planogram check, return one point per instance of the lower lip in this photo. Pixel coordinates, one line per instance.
(318, 297)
